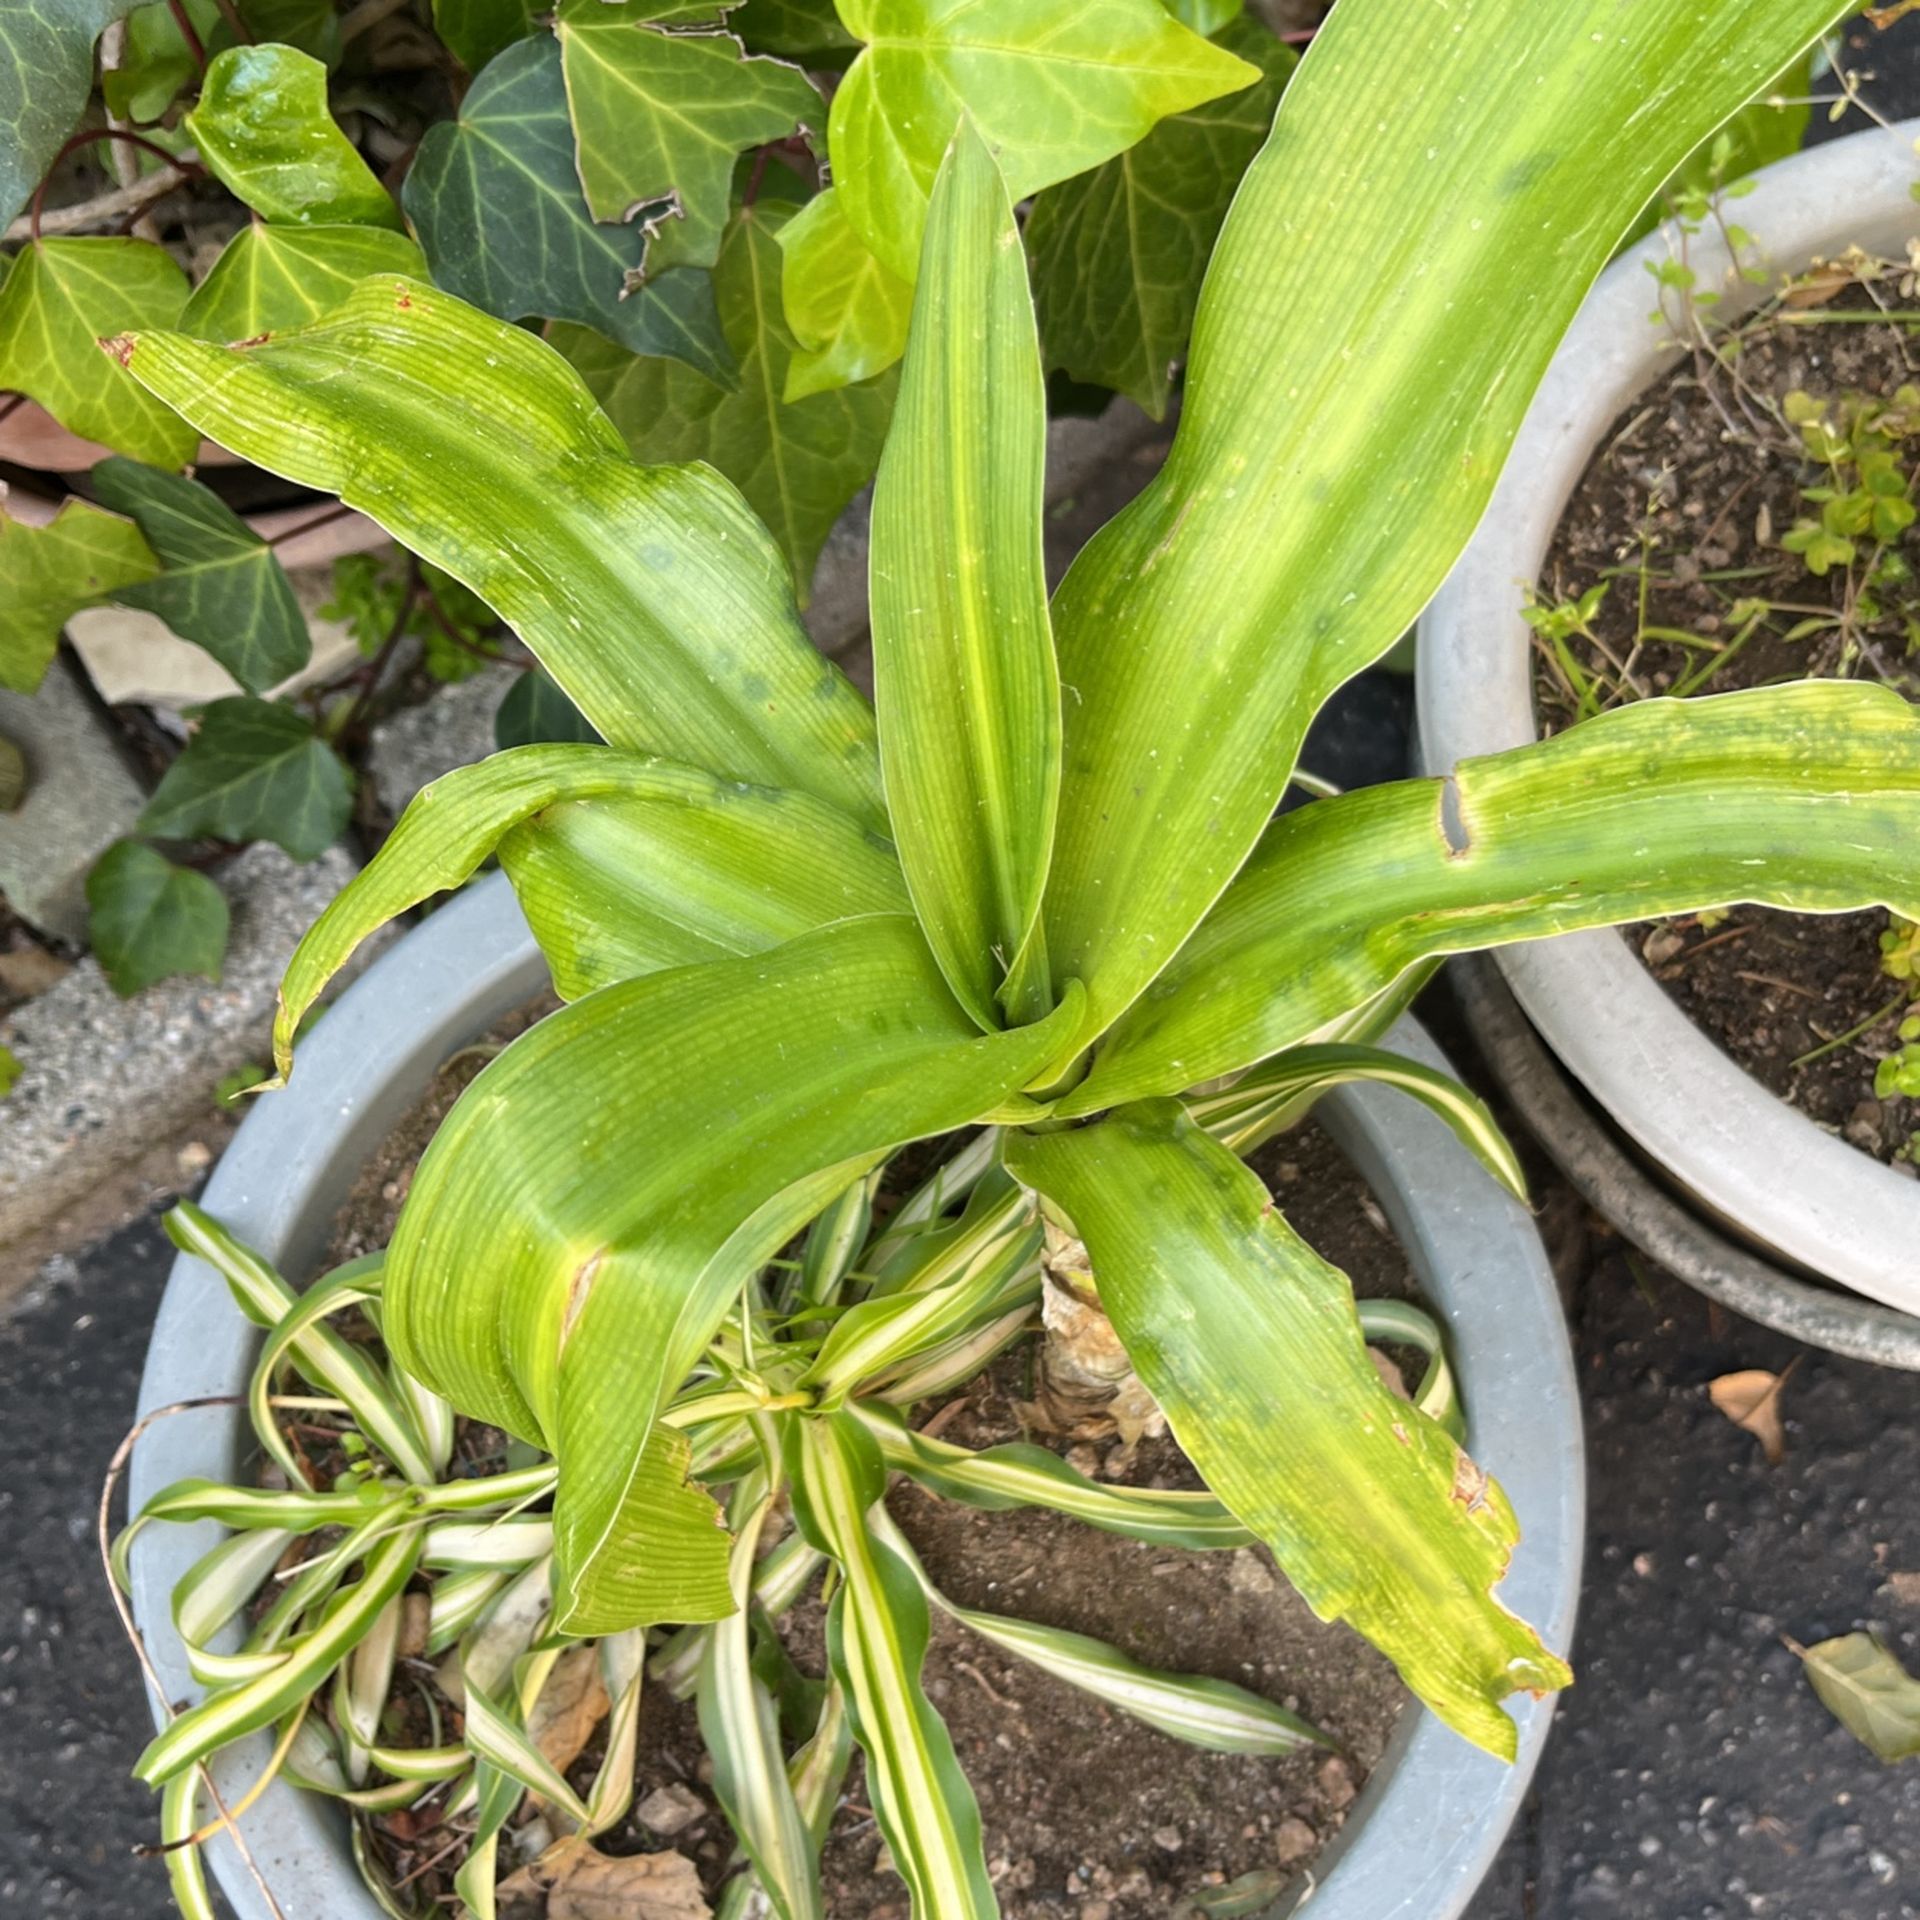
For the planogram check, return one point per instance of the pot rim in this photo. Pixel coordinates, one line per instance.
(1435, 1810)
(1742, 1151)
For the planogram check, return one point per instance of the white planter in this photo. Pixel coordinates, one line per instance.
(1746, 1155)
(1435, 1810)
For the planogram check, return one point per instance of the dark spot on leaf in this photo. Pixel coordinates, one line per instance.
(1526, 173)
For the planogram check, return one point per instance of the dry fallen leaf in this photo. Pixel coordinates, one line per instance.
(581, 1884)
(1868, 1691)
(571, 1704)
(1751, 1399)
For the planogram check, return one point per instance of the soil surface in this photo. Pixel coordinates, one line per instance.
(1088, 1815)
(1681, 513)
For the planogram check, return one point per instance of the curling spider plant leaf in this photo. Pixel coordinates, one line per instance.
(548, 1278)
(1280, 1091)
(964, 678)
(1342, 429)
(1193, 1707)
(1802, 796)
(1052, 88)
(877, 1632)
(1251, 1345)
(651, 594)
(625, 865)
(740, 1724)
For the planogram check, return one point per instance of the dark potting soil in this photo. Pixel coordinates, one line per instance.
(1087, 1815)
(1674, 494)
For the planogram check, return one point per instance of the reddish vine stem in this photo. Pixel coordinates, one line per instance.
(445, 622)
(326, 516)
(369, 675)
(86, 137)
(232, 16)
(189, 32)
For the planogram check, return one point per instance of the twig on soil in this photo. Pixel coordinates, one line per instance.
(107, 209)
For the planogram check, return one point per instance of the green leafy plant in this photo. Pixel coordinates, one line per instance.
(642, 179)
(1045, 894)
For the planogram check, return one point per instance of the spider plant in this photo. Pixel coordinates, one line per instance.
(1044, 891)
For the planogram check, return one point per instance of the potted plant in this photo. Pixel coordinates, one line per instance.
(1046, 895)
(1748, 291)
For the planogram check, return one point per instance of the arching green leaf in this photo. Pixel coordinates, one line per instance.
(1803, 796)
(964, 679)
(254, 770)
(61, 298)
(546, 1277)
(46, 72)
(1341, 430)
(149, 919)
(848, 311)
(1118, 252)
(651, 594)
(625, 864)
(663, 116)
(264, 130)
(1370, 1507)
(156, 64)
(269, 279)
(497, 204)
(1052, 87)
(223, 587)
(798, 464)
(49, 573)
(877, 1633)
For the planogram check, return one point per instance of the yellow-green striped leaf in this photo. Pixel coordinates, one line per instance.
(1370, 1507)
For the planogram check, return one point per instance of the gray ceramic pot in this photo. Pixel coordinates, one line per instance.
(1433, 1814)
(1746, 1156)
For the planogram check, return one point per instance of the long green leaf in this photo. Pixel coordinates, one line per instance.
(1000, 1479)
(1193, 1707)
(741, 1727)
(651, 594)
(629, 863)
(546, 1276)
(1343, 426)
(1251, 1345)
(1805, 797)
(1279, 1091)
(963, 667)
(877, 1632)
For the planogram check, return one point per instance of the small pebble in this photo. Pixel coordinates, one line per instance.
(1293, 1840)
(1336, 1782)
(1169, 1839)
(670, 1810)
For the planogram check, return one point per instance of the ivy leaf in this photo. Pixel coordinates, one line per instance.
(156, 63)
(476, 30)
(798, 465)
(1119, 253)
(497, 204)
(1205, 17)
(534, 710)
(151, 919)
(790, 26)
(49, 573)
(848, 311)
(1052, 89)
(1864, 1686)
(61, 300)
(268, 279)
(46, 72)
(223, 587)
(664, 116)
(254, 770)
(264, 131)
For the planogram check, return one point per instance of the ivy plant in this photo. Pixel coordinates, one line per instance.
(1042, 892)
(645, 181)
